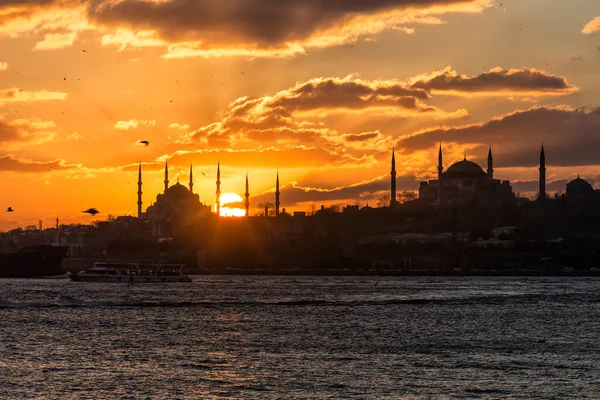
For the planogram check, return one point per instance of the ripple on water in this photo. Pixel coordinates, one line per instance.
(306, 337)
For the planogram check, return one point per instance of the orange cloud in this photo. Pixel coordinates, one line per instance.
(592, 26)
(15, 95)
(133, 124)
(18, 18)
(3, 66)
(496, 82)
(292, 115)
(56, 41)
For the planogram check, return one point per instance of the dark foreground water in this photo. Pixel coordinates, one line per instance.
(302, 337)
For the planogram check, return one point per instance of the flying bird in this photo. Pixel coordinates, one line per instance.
(144, 142)
(85, 51)
(9, 209)
(91, 211)
(64, 79)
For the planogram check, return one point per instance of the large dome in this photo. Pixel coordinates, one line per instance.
(578, 188)
(579, 183)
(464, 170)
(178, 190)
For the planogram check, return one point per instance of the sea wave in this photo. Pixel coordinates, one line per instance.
(70, 302)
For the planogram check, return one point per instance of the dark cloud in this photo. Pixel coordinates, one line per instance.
(361, 137)
(347, 93)
(293, 194)
(526, 81)
(10, 163)
(264, 23)
(571, 137)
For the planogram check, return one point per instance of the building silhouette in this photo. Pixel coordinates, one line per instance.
(176, 204)
(463, 182)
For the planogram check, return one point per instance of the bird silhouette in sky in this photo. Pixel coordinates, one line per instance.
(85, 51)
(91, 211)
(64, 79)
(144, 142)
(9, 209)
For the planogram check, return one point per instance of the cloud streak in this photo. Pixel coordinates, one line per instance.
(133, 124)
(294, 194)
(14, 164)
(496, 82)
(592, 26)
(15, 95)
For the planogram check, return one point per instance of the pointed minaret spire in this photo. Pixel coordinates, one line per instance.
(440, 169)
(139, 193)
(542, 190)
(166, 176)
(277, 195)
(490, 169)
(191, 179)
(247, 196)
(393, 200)
(218, 188)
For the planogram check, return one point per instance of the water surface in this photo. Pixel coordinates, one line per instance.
(302, 337)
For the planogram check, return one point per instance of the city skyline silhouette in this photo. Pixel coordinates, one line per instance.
(324, 106)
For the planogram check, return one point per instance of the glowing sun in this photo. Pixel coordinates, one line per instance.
(233, 200)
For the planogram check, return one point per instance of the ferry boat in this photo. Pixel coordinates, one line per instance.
(133, 273)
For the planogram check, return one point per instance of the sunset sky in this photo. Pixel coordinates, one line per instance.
(321, 90)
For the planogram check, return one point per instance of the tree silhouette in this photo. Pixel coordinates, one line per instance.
(407, 196)
(383, 201)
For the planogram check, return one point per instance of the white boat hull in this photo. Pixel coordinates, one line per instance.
(123, 272)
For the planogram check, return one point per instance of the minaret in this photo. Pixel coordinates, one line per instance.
(247, 196)
(490, 170)
(440, 169)
(393, 200)
(166, 176)
(542, 192)
(139, 193)
(191, 179)
(218, 188)
(277, 195)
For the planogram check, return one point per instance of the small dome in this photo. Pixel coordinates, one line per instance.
(464, 170)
